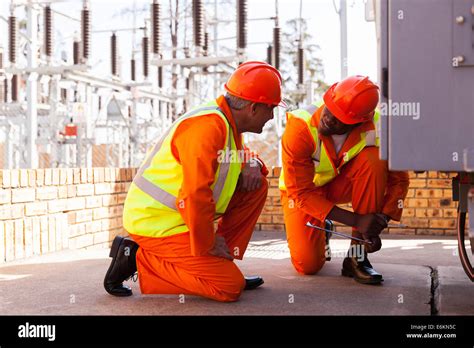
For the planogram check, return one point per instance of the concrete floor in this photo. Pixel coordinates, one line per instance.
(70, 283)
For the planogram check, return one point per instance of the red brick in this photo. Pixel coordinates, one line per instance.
(90, 175)
(57, 206)
(121, 198)
(39, 177)
(28, 237)
(118, 176)
(450, 213)
(101, 237)
(76, 203)
(264, 218)
(5, 196)
(450, 232)
(69, 176)
(83, 175)
(129, 174)
(98, 175)
(62, 191)
(442, 223)
(84, 215)
(23, 177)
(109, 200)
(404, 231)
(123, 175)
(416, 203)
(429, 193)
(71, 191)
(46, 193)
(100, 213)
(107, 174)
(278, 219)
(85, 190)
(2, 242)
(408, 212)
(36, 208)
(417, 183)
(23, 195)
(93, 226)
(51, 234)
(439, 183)
(14, 178)
(36, 236)
(414, 222)
(115, 210)
(5, 178)
(31, 177)
(93, 202)
(55, 176)
(434, 212)
(430, 231)
(273, 182)
(272, 227)
(19, 239)
(48, 176)
(421, 213)
(62, 176)
(17, 211)
(76, 172)
(273, 192)
(9, 241)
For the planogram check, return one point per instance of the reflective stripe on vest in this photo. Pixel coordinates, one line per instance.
(161, 195)
(324, 171)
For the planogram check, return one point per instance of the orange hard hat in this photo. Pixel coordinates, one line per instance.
(353, 100)
(256, 81)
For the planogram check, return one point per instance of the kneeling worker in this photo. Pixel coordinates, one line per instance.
(329, 157)
(192, 177)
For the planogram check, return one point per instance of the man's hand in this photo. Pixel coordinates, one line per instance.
(375, 246)
(220, 248)
(251, 177)
(370, 225)
(386, 217)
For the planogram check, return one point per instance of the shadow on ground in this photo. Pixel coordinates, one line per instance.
(70, 283)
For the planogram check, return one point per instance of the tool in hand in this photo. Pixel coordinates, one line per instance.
(309, 224)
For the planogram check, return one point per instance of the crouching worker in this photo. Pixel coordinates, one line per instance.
(193, 176)
(330, 156)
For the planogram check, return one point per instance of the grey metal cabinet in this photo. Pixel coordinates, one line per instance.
(426, 60)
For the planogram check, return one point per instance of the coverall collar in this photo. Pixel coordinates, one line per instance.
(228, 114)
(352, 139)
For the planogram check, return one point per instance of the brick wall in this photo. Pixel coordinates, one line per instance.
(46, 210)
(429, 208)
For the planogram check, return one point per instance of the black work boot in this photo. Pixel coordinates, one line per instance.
(122, 267)
(253, 282)
(357, 265)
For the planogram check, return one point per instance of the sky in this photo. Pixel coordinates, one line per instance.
(323, 25)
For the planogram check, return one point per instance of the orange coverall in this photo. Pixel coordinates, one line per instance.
(365, 181)
(180, 264)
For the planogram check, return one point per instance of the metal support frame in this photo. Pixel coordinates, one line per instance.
(31, 91)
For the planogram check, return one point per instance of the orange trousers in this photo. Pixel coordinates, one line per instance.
(166, 266)
(361, 181)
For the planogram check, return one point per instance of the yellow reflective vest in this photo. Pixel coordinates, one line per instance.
(324, 171)
(150, 208)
